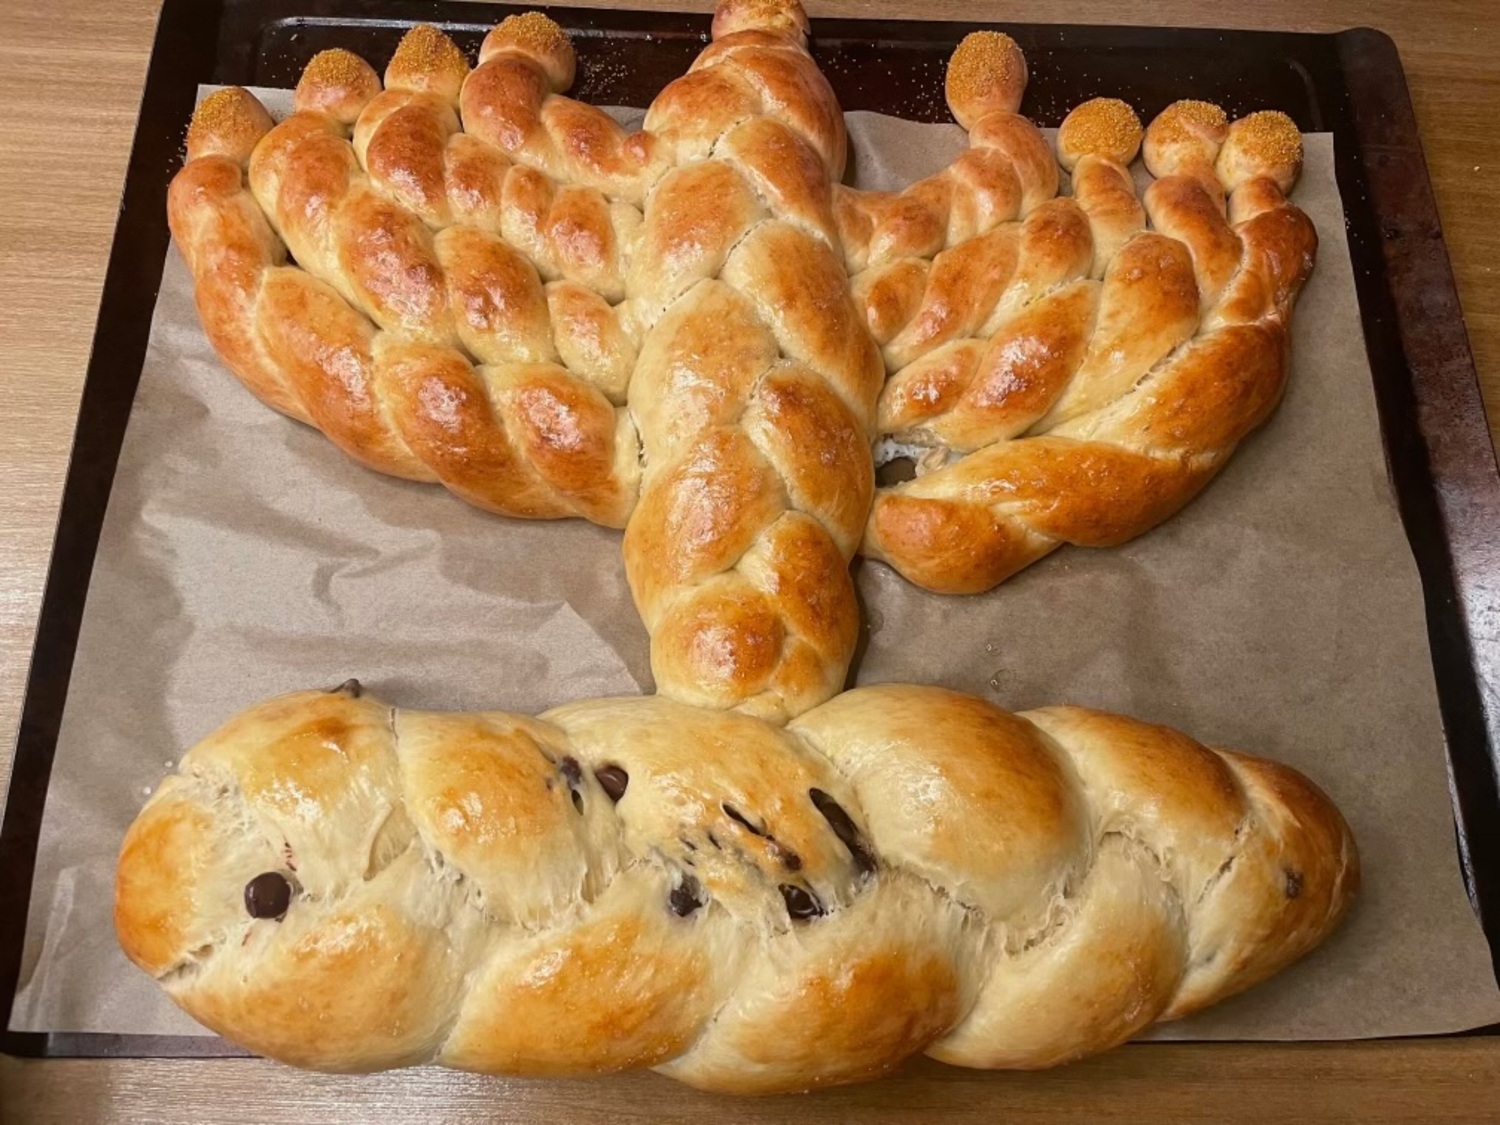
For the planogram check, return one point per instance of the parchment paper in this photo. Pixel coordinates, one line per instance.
(243, 555)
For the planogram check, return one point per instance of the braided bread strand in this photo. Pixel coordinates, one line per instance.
(372, 339)
(515, 243)
(755, 388)
(627, 883)
(1087, 411)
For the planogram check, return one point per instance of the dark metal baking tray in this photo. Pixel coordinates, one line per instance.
(1351, 84)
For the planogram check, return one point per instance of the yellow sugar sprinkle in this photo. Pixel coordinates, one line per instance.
(426, 50)
(228, 121)
(223, 111)
(1269, 136)
(338, 68)
(1187, 120)
(533, 31)
(983, 61)
(1105, 127)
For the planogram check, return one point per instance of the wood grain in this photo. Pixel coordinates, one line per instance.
(70, 79)
(1430, 1082)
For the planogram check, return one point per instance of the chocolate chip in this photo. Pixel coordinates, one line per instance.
(898, 470)
(686, 897)
(613, 780)
(844, 828)
(742, 820)
(1293, 883)
(789, 859)
(573, 773)
(352, 688)
(801, 903)
(268, 896)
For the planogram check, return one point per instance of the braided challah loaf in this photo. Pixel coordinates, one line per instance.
(755, 386)
(625, 883)
(685, 331)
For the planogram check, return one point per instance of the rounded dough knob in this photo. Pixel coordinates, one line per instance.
(537, 38)
(781, 17)
(987, 73)
(228, 122)
(339, 83)
(428, 60)
(1261, 144)
(1103, 127)
(1184, 136)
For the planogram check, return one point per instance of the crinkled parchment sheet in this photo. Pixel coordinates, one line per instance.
(243, 555)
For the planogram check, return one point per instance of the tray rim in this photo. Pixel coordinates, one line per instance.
(1463, 561)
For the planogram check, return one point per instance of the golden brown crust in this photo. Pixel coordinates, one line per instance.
(1265, 144)
(338, 83)
(778, 17)
(426, 59)
(755, 384)
(620, 980)
(538, 38)
(229, 123)
(156, 920)
(1184, 134)
(747, 908)
(1079, 411)
(689, 329)
(1103, 127)
(986, 74)
(358, 211)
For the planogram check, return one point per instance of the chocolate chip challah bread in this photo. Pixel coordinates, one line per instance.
(695, 332)
(626, 883)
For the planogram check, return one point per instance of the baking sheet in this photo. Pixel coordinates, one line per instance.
(1281, 613)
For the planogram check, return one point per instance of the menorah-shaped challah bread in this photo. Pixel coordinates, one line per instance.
(697, 333)
(499, 288)
(629, 883)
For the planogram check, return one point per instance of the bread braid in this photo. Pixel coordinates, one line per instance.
(1086, 411)
(513, 243)
(667, 331)
(755, 387)
(513, 102)
(407, 238)
(629, 883)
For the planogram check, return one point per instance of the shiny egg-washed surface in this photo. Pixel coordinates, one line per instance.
(749, 908)
(696, 332)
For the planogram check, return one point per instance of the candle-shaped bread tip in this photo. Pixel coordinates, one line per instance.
(986, 74)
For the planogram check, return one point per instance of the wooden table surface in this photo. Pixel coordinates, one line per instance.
(71, 73)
